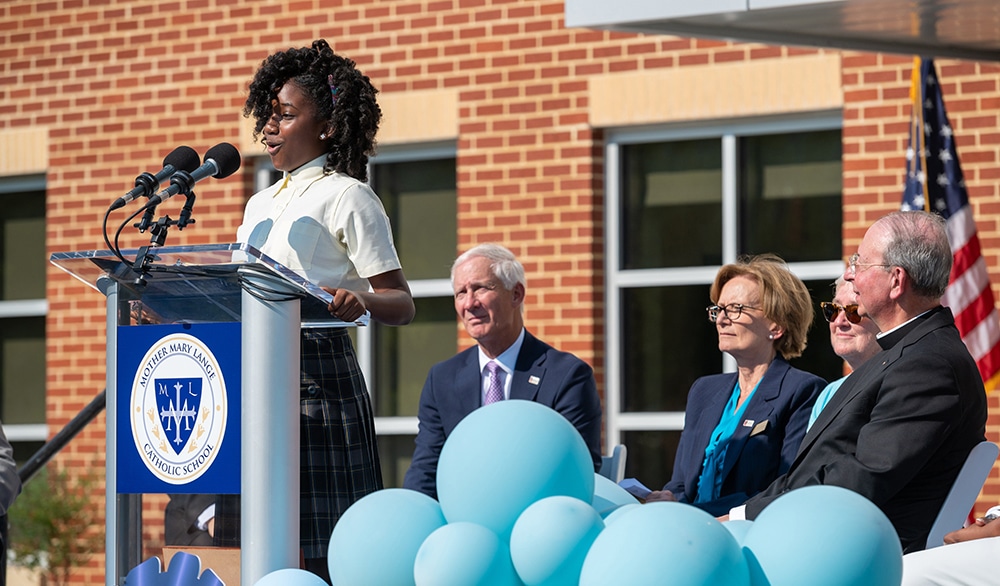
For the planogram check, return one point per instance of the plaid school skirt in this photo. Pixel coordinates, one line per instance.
(339, 454)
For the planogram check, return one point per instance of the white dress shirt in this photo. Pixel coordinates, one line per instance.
(507, 360)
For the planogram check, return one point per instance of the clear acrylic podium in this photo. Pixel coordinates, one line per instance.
(217, 283)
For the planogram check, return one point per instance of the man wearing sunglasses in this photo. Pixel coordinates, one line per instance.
(901, 426)
(852, 337)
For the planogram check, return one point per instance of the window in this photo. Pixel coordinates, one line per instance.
(22, 313)
(682, 202)
(417, 186)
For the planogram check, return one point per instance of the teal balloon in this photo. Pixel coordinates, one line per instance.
(738, 528)
(608, 495)
(503, 457)
(823, 536)
(290, 577)
(551, 539)
(665, 543)
(612, 515)
(464, 554)
(376, 540)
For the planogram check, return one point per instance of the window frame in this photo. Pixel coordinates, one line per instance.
(617, 279)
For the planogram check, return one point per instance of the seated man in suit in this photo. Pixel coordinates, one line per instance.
(490, 285)
(902, 425)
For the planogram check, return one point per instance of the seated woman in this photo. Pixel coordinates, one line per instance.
(742, 429)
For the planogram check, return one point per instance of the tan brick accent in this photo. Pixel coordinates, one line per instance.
(808, 83)
(420, 116)
(25, 151)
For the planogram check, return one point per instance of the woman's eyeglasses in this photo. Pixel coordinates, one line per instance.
(830, 311)
(733, 311)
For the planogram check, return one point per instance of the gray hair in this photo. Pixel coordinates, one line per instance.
(918, 243)
(836, 284)
(504, 265)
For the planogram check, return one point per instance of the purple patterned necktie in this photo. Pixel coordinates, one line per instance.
(495, 392)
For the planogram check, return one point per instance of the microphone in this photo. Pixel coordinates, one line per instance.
(182, 158)
(221, 161)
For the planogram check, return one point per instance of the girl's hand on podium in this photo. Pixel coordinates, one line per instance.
(346, 305)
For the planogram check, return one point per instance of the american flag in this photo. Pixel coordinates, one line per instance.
(934, 182)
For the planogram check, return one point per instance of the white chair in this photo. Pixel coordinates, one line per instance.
(613, 466)
(962, 496)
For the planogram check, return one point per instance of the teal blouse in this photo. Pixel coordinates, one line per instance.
(710, 481)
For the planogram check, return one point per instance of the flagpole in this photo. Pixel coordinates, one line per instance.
(917, 116)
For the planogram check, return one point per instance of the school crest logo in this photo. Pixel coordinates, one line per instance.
(178, 408)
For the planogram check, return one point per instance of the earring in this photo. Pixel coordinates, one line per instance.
(770, 336)
(322, 137)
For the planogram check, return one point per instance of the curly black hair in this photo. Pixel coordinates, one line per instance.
(342, 94)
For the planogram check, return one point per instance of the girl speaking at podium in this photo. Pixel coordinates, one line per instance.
(317, 117)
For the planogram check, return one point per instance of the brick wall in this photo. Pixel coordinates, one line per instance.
(117, 85)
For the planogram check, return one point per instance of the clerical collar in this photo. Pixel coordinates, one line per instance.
(889, 339)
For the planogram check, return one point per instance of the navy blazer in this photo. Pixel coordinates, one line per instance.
(898, 430)
(453, 389)
(765, 441)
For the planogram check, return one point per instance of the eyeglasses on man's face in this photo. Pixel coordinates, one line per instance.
(830, 311)
(733, 311)
(853, 264)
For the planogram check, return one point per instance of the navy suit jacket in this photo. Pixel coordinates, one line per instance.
(765, 441)
(898, 430)
(453, 389)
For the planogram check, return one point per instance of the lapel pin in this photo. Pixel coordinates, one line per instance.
(533, 380)
(748, 423)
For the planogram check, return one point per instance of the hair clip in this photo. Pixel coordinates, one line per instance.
(333, 88)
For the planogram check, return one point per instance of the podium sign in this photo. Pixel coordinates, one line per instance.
(181, 386)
